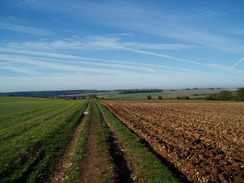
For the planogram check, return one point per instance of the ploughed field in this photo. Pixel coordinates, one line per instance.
(202, 139)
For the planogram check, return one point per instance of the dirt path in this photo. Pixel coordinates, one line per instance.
(59, 174)
(96, 158)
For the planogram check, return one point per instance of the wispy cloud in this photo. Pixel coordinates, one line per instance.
(77, 59)
(188, 23)
(55, 67)
(86, 64)
(137, 17)
(20, 70)
(96, 42)
(108, 43)
(102, 42)
(25, 29)
(206, 11)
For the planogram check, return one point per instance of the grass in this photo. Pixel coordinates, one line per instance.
(33, 135)
(149, 165)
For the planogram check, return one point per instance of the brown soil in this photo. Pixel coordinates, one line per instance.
(95, 163)
(202, 139)
(64, 163)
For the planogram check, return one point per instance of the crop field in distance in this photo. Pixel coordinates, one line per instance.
(203, 139)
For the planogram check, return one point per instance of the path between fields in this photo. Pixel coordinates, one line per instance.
(64, 163)
(96, 159)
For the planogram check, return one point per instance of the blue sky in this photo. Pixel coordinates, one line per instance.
(167, 44)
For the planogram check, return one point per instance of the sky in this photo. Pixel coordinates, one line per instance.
(121, 44)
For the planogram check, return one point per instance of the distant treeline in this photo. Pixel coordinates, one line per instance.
(224, 95)
(48, 94)
(227, 95)
(140, 91)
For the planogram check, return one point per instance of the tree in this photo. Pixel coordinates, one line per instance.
(149, 97)
(92, 96)
(183, 98)
(212, 97)
(240, 94)
(225, 95)
(160, 97)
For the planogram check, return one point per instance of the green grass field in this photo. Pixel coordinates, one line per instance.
(33, 133)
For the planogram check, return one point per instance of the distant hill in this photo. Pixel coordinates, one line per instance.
(61, 93)
(118, 94)
(140, 91)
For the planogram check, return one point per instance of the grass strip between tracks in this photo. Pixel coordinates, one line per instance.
(150, 168)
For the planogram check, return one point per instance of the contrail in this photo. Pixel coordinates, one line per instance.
(215, 66)
(237, 63)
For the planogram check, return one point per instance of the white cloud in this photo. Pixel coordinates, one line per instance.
(55, 67)
(102, 42)
(206, 11)
(86, 65)
(25, 29)
(187, 23)
(110, 43)
(96, 42)
(20, 70)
